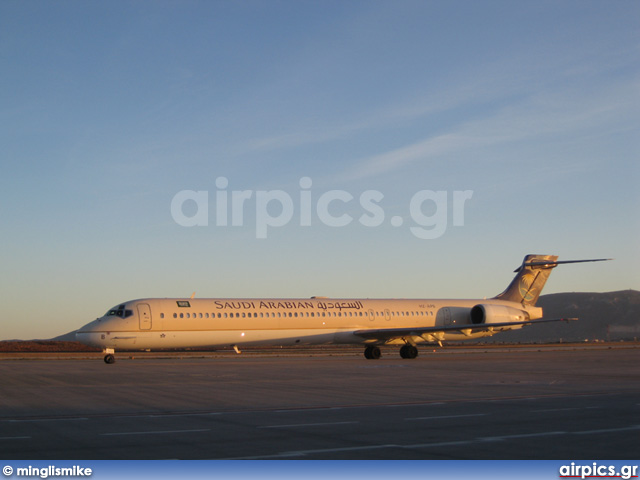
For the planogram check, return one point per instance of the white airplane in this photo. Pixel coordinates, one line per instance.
(158, 323)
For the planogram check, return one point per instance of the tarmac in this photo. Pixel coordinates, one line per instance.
(478, 403)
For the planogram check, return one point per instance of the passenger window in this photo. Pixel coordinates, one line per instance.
(175, 315)
(162, 315)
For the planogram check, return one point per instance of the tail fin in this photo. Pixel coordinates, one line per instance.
(531, 276)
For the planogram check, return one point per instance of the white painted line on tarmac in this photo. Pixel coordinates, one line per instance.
(157, 432)
(440, 417)
(501, 438)
(31, 420)
(545, 410)
(608, 430)
(302, 453)
(306, 425)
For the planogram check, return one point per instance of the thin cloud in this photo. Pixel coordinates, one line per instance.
(562, 114)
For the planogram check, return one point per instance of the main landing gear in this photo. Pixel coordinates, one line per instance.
(109, 356)
(372, 352)
(408, 351)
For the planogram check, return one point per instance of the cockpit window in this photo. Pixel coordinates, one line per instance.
(119, 311)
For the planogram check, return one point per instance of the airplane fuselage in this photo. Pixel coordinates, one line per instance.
(154, 323)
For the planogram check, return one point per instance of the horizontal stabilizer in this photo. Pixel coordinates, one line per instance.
(543, 264)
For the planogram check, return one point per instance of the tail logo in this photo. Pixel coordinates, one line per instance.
(526, 282)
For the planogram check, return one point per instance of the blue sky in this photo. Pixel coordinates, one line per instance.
(109, 109)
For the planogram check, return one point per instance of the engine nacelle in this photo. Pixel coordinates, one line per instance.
(497, 314)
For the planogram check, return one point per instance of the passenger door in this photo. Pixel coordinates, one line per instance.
(144, 314)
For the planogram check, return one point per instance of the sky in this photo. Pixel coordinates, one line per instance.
(369, 149)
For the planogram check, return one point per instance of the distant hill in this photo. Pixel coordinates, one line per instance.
(67, 337)
(43, 346)
(603, 316)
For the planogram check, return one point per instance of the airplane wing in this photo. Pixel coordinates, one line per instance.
(387, 334)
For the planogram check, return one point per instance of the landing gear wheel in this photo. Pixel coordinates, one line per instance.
(408, 351)
(109, 358)
(372, 352)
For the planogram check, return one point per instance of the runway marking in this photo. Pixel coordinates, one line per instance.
(399, 405)
(564, 409)
(555, 410)
(520, 435)
(307, 409)
(448, 416)
(302, 453)
(166, 415)
(608, 430)
(306, 425)
(158, 432)
(47, 420)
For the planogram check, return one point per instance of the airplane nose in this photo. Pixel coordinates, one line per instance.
(90, 334)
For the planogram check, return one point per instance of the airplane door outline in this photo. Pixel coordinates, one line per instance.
(447, 316)
(144, 314)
